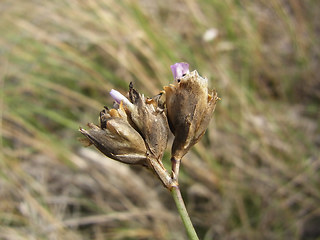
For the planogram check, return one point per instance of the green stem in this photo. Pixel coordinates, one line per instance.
(175, 191)
(175, 168)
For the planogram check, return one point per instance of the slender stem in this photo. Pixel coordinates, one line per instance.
(175, 168)
(175, 191)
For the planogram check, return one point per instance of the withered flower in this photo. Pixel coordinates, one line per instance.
(134, 132)
(189, 108)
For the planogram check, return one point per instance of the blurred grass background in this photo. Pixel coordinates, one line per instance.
(255, 174)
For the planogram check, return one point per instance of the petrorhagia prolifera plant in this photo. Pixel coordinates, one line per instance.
(136, 130)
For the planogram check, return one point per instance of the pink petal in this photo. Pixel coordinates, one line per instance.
(179, 69)
(118, 97)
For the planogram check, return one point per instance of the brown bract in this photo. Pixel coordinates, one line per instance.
(116, 138)
(151, 122)
(189, 110)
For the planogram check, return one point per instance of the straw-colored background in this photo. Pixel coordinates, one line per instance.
(255, 174)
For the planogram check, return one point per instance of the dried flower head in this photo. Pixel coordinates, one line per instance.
(189, 108)
(134, 132)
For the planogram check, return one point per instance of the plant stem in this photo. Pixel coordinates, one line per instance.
(175, 168)
(175, 191)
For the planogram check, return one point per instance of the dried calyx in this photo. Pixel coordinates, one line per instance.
(136, 130)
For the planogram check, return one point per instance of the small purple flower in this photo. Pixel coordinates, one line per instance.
(179, 70)
(118, 97)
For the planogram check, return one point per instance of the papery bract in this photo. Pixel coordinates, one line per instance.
(189, 110)
(151, 121)
(116, 138)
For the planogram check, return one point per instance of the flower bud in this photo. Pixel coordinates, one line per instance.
(189, 108)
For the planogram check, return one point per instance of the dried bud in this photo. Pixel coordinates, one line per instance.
(189, 108)
(116, 138)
